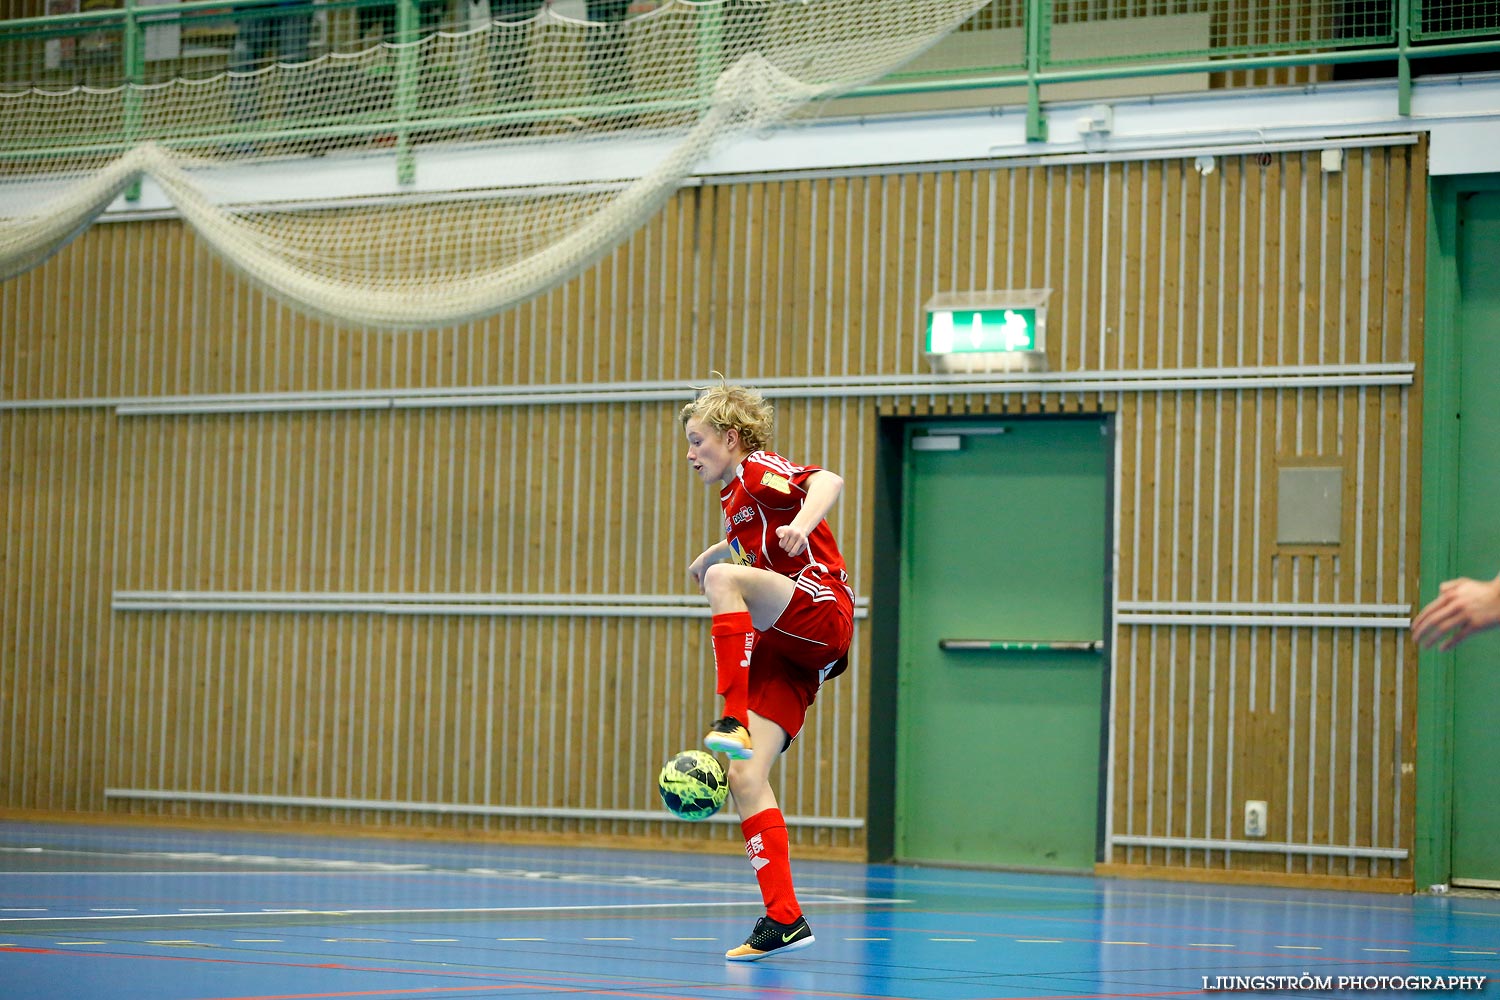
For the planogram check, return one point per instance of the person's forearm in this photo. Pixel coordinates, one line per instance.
(823, 491)
(717, 552)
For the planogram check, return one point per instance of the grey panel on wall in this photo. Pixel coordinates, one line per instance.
(1309, 505)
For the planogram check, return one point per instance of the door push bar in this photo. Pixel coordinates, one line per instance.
(1021, 646)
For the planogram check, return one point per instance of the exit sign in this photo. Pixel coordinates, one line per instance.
(968, 331)
(988, 331)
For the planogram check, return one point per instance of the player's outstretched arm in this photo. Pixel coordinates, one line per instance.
(823, 490)
(1462, 608)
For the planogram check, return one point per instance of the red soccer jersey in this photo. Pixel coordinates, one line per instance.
(766, 494)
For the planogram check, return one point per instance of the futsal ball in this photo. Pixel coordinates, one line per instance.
(692, 785)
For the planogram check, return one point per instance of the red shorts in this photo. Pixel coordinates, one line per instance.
(808, 644)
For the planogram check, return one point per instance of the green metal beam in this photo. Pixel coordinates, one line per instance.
(350, 129)
(710, 54)
(1038, 41)
(1439, 370)
(408, 80)
(1403, 60)
(981, 81)
(135, 75)
(1432, 850)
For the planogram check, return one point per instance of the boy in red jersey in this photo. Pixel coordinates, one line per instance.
(783, 617)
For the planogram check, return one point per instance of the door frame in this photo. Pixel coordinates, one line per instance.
(1440, 365)
(885, 621)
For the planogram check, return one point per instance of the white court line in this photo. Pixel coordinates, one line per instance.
(205, 857)
(1390, 951)
(1300, 947)
(258, 872)
(442, 910)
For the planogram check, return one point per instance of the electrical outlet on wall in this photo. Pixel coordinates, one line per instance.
(1255, 818)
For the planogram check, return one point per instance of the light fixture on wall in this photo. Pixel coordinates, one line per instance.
(994, 330)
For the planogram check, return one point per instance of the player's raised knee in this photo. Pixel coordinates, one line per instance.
(720, 578)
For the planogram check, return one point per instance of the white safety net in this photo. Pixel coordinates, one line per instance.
(432, 182)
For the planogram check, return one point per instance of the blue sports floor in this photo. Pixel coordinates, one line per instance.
(127, 913)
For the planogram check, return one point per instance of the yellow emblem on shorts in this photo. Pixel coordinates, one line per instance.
(777, 483)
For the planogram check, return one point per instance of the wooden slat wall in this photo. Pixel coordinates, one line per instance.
(1267, 261)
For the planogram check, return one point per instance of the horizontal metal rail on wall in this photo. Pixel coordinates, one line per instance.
(449, 808)
(1021, 645)
(1262, 847)
(1274, 615)
(356, 602)
(831, 387)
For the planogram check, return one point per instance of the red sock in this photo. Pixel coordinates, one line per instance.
(771, 857)
(733, 639)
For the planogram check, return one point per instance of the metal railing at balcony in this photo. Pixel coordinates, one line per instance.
(1028, 48)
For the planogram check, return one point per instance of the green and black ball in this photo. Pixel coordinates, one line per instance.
(692, 785)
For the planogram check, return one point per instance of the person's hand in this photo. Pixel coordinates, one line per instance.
(793, 539)
(697, 568)
(1462, 607)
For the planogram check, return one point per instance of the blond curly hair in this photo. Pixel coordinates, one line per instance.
(724, 406)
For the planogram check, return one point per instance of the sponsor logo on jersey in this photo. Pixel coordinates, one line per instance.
(742, 515)
(741, 555)
(777, 483)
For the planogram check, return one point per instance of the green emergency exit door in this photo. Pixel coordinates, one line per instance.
(1001, 689)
